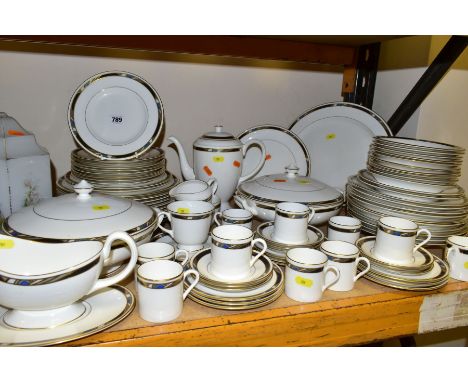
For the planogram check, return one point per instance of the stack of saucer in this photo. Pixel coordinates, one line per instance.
(424, 273)
(143, 179)
(262, 286)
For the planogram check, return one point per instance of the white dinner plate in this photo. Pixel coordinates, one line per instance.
(283, 148)
(337, 136)
(115, 115)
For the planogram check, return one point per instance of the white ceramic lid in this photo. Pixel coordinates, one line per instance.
(84, 215)
(218, 139)
(290, 187)
(27, 258)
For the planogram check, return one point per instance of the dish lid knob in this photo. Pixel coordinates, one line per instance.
(292, 170)
(83, 189)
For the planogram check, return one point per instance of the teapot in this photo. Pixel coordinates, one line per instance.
(218, 154)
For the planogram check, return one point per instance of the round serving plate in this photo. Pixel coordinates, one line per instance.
(115, 115)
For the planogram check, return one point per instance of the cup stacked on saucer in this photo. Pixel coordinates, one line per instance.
(289, 230)
(411, 179)
(396, 261)
(233, 276)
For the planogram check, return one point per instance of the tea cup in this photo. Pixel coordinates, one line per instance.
(344, 228)
(195, 189)
(161, 251)
(237, 216)
(291, 220)
(456, 253)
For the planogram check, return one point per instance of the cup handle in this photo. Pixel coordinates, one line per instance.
(422, 230)
(450, 252)
(337, 272)
(186, 256)
(311, 214)
(216, 215)
(213, 183)
(260, 163)
(165, 214)
(195, 282)
(264, 245)
(106, 250)
(362, 273)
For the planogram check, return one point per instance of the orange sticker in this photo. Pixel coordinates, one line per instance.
(268, 157)
(207, 170)
(279, 180)
(15, 133)
(236, 163)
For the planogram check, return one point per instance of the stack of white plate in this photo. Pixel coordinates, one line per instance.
(426, 272)
(261, 287)
(414, 180)
(143, 179)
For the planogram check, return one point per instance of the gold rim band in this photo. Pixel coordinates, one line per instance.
(396, 233)
(304, 270)
(159, 284)
(237, 220)
(344, 230)
(216, 150)
(292, 215)
(190, 217)
(230, 246)
(461, 250)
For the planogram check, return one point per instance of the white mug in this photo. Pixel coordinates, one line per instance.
(190, 221)
(231, 251)
(291, 221)
(456, 253)
(160, 251)
(305, 274)
(345, 257)
(160, 288)
(237, 216)
(396, 239)
(344, 228)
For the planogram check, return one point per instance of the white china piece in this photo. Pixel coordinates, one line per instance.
(161, 251)
(282, 146)
(231, 251)
(237, 216)
(101, 310)
(345, 257)
(337, 136)
(190, 221)
(195, 190)
(160, 289)
(115, 115)
(83, 216)
(41, 283)
(305, 274)
(261, 195)
(219, 155)
(291, 222)
(344, 228)
(456, 254)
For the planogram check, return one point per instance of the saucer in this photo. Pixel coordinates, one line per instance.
(265, 231)
(165, 238)
(102, 310)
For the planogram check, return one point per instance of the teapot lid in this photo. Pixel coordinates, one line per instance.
(218, 139)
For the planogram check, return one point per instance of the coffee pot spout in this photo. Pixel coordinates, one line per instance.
(187, 171)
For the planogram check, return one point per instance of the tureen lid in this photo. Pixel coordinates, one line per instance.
(84, 215)
(218, 139)
(289, 186)
(27, 258)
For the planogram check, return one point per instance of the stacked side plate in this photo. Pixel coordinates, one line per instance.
(261, 287)
(426, 272)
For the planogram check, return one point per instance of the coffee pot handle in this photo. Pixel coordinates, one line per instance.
(260, 163)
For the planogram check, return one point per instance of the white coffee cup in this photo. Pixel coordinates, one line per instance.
(344, 228)
(456, 253)
(237, 216)
(345, 257)
(396, 239)
(305, 274)
(190, 221)
(160, 288)
(195, 189)
(160, 251)
(291, 220)
(231, 251)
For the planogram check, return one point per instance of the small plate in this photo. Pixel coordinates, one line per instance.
(165, 238)
(103, 309)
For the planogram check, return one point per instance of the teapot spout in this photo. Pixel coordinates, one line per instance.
(187, 171)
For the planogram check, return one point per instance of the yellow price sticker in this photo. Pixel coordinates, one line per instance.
(7, 244)
(101, 207)
(304, 282)
(183, 210)
(465, 265)
(330, 136)
(303, 181)
(218, 159)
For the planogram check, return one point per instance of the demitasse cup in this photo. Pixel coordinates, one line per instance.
(190, 221)
(237, 216)
(456, 253)
(231, 251)
(344, 228)
(160, 288)
(291, 220)
(305, 274)
(345, 257)
(396, 238)
(160, 251)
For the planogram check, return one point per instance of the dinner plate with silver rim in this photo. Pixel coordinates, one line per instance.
(115, 115)
(283, 147)
(337, 136)
(103, 309)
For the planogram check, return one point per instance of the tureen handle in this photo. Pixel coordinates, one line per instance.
(105, 252)
(243, 203)
(260, 163)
